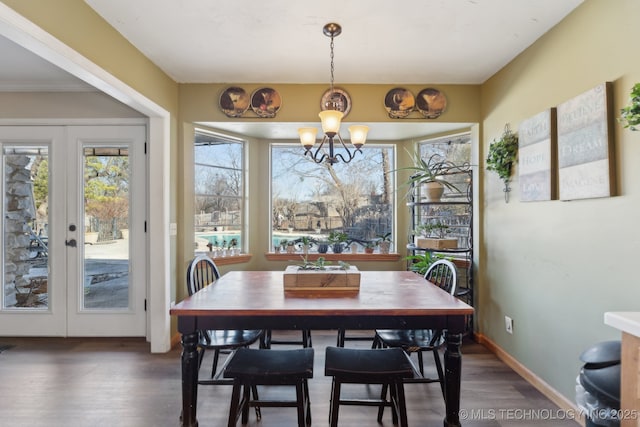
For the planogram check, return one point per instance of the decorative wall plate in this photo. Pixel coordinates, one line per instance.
(341, 100)
(265, 102)
(399, 102)
(234, 101)
(431, 103)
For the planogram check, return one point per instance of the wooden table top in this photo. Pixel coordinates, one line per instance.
(261, 293)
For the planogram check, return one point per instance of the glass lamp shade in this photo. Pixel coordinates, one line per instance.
(358, 135)
(331, 121)
(307, 137)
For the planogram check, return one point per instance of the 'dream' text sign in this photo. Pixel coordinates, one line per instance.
(585, 145)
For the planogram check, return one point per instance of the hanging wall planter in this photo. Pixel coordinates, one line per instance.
(502, 154)
(630, 115)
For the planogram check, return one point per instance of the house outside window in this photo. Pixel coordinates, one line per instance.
(219, 192)
(313, 200)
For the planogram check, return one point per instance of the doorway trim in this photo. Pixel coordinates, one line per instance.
(25, 33)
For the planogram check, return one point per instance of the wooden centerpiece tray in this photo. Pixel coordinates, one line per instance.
(332, 280)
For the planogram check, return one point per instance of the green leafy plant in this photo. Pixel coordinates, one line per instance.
(433, 169)
(337, 237)
(320, 264)
(420, 263)
(437, 228)
(502, 154)
(370, 246)
(384, 237)
(630, 115)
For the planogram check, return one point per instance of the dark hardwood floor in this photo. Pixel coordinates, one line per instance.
(116, 382)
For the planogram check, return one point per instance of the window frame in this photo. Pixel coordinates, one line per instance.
(393, 199)
(242, 197)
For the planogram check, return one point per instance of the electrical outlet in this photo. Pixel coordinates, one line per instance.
(508, 324)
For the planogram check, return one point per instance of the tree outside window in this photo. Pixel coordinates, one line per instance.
(310, 199)
(218, 187)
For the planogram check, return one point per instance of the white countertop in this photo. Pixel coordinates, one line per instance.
(626, 321)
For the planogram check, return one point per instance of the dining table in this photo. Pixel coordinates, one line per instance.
(384, 300)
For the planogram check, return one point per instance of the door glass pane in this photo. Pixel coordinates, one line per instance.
(106, 228)
(25, 222)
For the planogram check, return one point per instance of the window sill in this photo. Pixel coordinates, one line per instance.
(232, 259)
(362, 257)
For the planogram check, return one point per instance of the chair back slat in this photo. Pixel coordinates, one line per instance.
(202, 271)
(443, 274)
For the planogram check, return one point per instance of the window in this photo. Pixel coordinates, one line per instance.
(310, 199)
(219, 191)
(457, 150)
(454, 148)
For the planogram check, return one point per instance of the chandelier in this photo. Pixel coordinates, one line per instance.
(330, 119)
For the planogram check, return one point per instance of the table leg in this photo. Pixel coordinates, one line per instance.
(452, 368)
(189, 379)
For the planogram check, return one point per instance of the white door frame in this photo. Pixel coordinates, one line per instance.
(65, 313)
(33, 38)
(129, 321)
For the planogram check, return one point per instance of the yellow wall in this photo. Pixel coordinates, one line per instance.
(300, 103)
(62, 105)
(555, 267)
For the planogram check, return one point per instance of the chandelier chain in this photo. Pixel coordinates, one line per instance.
(332, 68)
(335, 149)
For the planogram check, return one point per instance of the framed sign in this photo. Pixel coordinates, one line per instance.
(537, 157)
(585, 145)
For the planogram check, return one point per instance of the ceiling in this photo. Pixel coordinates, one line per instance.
(281, 41)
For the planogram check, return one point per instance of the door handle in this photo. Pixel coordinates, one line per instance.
(71, 243)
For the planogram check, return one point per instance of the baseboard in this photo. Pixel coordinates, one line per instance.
(537, 382)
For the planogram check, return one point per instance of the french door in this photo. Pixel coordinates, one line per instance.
(73, 219)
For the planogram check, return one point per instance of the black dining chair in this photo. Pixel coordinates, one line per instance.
(388, 367)
(305, 339)
(443, 274)
(202, 271)
(342, 337)
(249, 368)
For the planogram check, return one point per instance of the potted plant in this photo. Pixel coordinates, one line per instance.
(283, 244)
(306, 242)
(291, 247)
(430, 174)
(370, 246)
(233, 247)
(337, 240)
(323, 247)
(502, 155)
(384, 241)
(630, 115)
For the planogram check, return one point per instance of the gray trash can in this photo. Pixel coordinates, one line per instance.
(598, 384)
